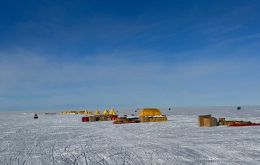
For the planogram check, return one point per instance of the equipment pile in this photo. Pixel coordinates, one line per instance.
(209, 121)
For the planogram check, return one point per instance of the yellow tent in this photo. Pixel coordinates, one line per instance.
(105, 112)
(112, 112)
(97, 112)
(150, 112)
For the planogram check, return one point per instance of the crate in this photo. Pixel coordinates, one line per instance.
(92, 118)
(207, 121)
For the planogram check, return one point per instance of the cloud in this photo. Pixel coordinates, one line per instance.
(36, 81)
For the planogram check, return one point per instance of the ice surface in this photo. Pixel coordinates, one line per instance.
(64, 139)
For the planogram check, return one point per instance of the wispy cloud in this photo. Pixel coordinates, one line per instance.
(31, 80)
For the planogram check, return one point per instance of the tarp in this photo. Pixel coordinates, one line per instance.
(150, 112)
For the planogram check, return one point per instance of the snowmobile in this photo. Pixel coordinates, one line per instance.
(35, 116)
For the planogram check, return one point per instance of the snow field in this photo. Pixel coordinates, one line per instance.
(64, 140)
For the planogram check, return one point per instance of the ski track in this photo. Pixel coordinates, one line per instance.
(65, 140)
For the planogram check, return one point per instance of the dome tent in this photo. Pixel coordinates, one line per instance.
(151, 115)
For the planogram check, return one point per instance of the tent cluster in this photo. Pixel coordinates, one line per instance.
(145, 115)
(106, 112)
(106, 115)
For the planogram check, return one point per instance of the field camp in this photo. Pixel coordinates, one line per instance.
(130, 82)
(145, 115)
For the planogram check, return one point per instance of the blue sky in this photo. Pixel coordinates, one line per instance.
(128, 54)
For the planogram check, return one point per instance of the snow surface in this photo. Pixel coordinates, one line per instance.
(64, 139)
